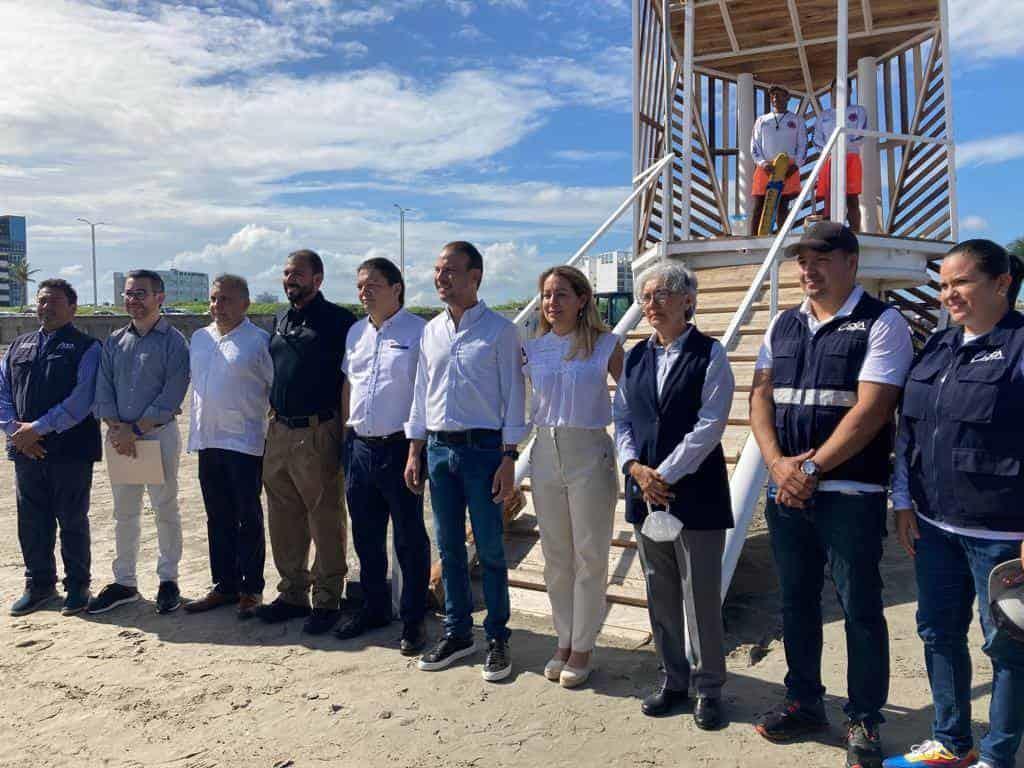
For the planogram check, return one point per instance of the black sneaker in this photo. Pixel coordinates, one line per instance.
(168, 597)
(76, 601)
(448, 650)
(280, 610)
(359, 624)
(413, 640)
(32, 600)
(112, 596)
(498, 664)
(321, 620)
(863, 746)
(791, 721)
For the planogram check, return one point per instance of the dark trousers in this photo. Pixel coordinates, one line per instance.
(48, 495)
(461, 476)
(231, 483)
(376, 491)
(952, 570)
(845, 532)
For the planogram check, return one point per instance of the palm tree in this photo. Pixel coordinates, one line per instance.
(21, 273)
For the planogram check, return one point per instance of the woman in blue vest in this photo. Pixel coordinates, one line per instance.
(957, 490)
(670, 412)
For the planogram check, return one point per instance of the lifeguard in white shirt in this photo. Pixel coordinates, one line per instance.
(856, 117)
(778, 132)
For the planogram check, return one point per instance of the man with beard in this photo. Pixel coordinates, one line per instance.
(303, 453)
(47, 385)
(142, 382)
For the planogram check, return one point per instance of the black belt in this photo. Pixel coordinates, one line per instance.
(465, 437)
(394, 437)
(301, 422)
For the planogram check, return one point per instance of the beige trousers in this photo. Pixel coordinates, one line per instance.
(575, 485)
(301, 470)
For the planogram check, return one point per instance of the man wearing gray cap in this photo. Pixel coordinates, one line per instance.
(826, 384)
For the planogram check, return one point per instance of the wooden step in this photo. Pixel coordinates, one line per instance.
(740, 276)
(626, 583)
(622, 621)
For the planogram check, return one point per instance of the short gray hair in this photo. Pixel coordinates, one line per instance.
(237, 282)
(676, 277)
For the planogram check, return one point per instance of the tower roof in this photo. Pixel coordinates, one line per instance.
(793, 42)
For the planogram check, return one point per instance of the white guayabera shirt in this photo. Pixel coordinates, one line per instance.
(231, 377)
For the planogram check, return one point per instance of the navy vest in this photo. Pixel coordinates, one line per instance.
(42, 378)
(964, 409)
(814, 385)
(660, 423)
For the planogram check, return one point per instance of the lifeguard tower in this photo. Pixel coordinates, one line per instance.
(701, 72)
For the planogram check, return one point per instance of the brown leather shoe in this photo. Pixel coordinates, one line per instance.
(247, 605)
(213, 599)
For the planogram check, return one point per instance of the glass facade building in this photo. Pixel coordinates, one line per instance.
(13, 250)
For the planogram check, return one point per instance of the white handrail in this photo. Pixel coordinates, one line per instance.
(763, 271)
(646, 178)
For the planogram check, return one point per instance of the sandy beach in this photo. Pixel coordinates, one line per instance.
(131, 688)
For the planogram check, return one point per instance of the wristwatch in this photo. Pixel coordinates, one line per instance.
(510, 453)
(809, 468)
(136, 430)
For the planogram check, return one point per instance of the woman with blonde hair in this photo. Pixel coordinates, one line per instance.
(575, 484)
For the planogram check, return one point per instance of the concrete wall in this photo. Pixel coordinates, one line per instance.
(101, 326)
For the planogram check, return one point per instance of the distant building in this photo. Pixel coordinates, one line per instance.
(266, 298)
(13, 249)
(178, 285)
(609, 272)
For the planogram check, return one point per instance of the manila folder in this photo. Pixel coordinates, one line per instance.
(146, 468)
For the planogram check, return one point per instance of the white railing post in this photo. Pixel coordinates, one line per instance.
(763, 271)
(947, 103)
(689, 102)
(839, 107)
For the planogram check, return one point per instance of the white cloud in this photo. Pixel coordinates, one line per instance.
(72, 271)
(987, 29)
(587, 155)
(469, 32)
(179, 125)
(353, 49)
(973, 223)
(462, 7)
(992, 150)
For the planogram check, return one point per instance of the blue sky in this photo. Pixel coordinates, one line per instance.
(222, 134)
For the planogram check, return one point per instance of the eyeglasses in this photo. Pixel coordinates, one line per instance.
(659, 297)
(139, 294)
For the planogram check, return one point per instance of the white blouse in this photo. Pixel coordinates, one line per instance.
(569, 393)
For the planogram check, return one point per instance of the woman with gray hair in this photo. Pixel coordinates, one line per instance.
(670, 412)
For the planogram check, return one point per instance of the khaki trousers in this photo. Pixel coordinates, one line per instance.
(302, 476)
(575, 485)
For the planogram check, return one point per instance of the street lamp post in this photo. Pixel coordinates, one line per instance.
(92, 229)
(401, 233)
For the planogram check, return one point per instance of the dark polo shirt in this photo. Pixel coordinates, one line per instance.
(307, 347)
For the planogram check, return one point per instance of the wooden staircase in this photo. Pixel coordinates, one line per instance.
(721, 290)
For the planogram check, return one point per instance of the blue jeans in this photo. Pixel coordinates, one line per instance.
(462, 475)
(845, 532)
(951, 571)
(376, 492)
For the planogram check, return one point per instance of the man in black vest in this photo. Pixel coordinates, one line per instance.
(670, 412)
(826, 384)
(47, 385)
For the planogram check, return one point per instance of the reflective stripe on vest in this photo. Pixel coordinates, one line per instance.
(838, 398)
